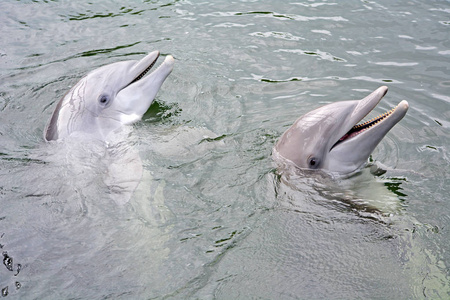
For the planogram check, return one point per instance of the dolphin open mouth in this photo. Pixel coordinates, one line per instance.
(381, 124)
(146, 70)
(141, 84)
(139, 71)
(363, 127)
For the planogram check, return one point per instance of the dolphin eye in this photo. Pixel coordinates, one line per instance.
(313, 162)
(103, 100)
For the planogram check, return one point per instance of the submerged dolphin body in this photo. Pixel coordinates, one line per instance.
(108, 97)
(329, 138)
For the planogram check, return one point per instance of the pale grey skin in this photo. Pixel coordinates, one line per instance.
(310, 143)
(107, 98)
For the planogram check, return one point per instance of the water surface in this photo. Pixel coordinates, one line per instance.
(211, 217)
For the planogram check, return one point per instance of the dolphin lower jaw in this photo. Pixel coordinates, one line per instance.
(127, 119)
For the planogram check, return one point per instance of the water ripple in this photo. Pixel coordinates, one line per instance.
(276, 15)
(396, 64)
(278, 35)
(310, 79)
(320, 54)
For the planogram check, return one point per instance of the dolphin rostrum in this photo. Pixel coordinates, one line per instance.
(330, 139)
(108, 97)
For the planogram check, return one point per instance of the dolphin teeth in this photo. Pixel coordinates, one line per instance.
(139, 77)
(359, 128)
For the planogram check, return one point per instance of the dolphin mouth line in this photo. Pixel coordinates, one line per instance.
(362, 127)
(140, 76)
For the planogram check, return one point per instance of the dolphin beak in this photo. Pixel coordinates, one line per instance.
(143, 66)
(135, 98)
(355, 142)
(380, 125)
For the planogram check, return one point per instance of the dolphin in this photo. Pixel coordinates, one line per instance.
(329, 138)
(108, 97)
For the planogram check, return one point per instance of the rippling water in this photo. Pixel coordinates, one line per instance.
(211, 218)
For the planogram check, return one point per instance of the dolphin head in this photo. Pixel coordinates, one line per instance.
(329, 137)
(108, 97)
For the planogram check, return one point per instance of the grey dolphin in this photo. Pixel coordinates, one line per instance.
(329, 137)
(108, 97)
